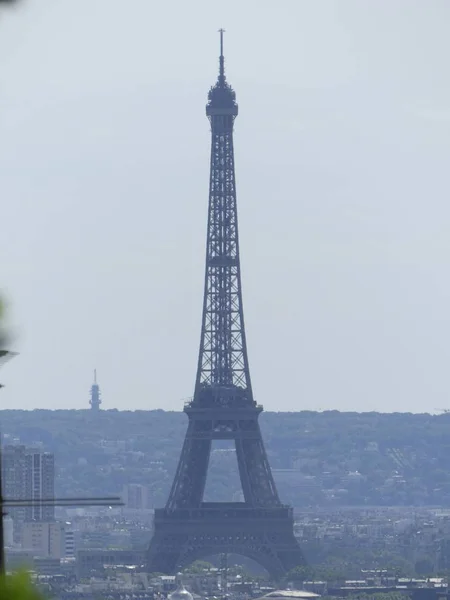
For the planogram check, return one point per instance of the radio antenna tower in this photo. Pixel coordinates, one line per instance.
(95, 400)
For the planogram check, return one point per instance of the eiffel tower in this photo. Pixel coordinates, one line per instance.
(223, 408)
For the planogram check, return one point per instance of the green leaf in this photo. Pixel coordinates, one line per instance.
(18, 587)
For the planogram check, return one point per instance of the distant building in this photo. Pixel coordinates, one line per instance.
(28, 474)
(13, 478)
(8, 531)
(39, 485)
(47, 566)
(92, 562)
(137, 497)
(46, 539)
(95, 400)
(69, 543)
(93, 539)
(140, 537)
(19, 560)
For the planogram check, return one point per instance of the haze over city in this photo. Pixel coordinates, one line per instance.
(341, 146)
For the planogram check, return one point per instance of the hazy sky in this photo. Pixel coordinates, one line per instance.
(342, 149)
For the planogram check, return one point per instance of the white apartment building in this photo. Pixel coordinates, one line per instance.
(45, 539)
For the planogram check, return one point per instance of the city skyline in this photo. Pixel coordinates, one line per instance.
(342, 201)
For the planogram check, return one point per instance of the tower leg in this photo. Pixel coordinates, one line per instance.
(190, 479)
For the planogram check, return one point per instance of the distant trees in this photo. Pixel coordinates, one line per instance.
(412, 469)
(199, 566)
(325, 573)
(424, 567)
(344, 563)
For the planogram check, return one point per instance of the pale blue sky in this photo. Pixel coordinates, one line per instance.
(342, 147)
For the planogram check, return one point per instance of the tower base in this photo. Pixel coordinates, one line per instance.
(262, 534)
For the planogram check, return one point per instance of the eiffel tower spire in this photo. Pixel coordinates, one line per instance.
(221, 59)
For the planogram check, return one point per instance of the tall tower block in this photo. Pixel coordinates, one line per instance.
(95, 400)
(223, 407)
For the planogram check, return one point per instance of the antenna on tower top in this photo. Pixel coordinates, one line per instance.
(95, 376)
(222, 60)
(221, 31)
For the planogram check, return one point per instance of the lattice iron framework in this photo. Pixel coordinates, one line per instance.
(223, 354)
(223, 406)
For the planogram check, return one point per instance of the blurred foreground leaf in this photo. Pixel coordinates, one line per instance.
(18, 587)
